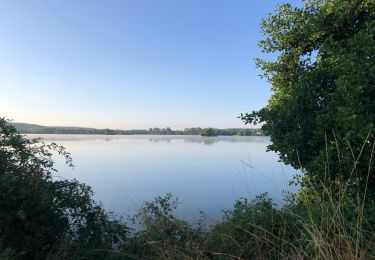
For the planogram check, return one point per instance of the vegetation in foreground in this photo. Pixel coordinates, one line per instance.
(46, 218)
(323, 102)
(320, 119)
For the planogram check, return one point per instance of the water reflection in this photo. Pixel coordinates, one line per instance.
(206, 173)
(208, 140)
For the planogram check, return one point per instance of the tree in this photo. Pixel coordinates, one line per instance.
(208, 132)
(41, 216)
(321, 114)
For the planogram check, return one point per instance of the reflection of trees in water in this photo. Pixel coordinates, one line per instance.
(189, 139)
(209, 140)
(205, 140)
(231, 139)
(71, 137)
(155, 138)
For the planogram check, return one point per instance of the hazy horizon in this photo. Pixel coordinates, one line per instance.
(176, 129)
(131, 64)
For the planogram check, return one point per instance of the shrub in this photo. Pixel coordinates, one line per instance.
(42, 217)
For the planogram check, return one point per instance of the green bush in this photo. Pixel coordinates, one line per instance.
(44, 217)
(162, 234)
(323, 101)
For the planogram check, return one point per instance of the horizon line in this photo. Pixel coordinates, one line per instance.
(72, 126)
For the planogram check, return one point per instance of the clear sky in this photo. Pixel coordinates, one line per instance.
(131, 63)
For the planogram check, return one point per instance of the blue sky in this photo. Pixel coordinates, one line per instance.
(131, 63)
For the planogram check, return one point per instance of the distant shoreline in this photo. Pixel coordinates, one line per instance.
(169, 135)
(25, 128)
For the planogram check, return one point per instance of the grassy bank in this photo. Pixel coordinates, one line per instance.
(325, 228)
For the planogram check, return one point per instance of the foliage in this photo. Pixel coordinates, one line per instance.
(323, 101)
(162, 234)
(224, 132)
(208, 132)
(326, 228)
(163, 131)
(249, 230)
(40, 215)
(38, 129)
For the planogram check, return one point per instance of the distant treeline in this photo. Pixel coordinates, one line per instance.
(38, 129)
(202, 131)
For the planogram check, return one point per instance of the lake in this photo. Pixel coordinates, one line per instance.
(205, 173)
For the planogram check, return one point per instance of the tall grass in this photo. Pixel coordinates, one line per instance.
(328, 228)
(325, 222)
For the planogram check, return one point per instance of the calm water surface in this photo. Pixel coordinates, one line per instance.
(205, 173)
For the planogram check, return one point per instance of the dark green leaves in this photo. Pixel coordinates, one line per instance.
(323, 105)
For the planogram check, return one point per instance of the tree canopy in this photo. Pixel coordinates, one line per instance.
(321, 114)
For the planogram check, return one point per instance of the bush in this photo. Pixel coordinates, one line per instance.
(162, 235)
(42, 217)
(323, 101)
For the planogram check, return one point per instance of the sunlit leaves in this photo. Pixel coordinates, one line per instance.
(323, 101)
